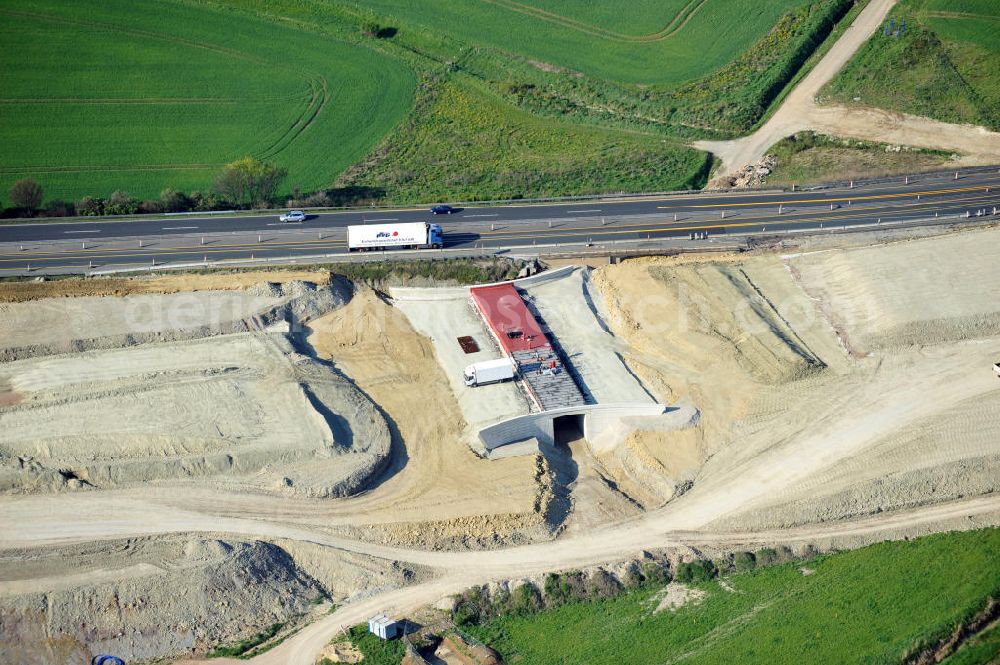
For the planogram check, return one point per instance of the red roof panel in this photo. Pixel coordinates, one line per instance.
(509, 318)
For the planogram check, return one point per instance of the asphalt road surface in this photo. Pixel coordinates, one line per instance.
(81, 246)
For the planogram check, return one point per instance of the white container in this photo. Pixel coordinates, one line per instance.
(489, 371)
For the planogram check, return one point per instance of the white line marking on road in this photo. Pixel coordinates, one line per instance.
(93, 231)
(280, 224)
(177, 228)
(384, 219)
(568, 212)
(493, 215)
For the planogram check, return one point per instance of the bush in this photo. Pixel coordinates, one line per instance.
(472, 607)
(603, 585)
(655, 573)
(373, 29)
(173, 201)
(150, 207)
(633, 577)
(501, 602)
(59, 208)
(121, 203)
(26, 194)
(527, 599)
(203, 202)
(249, 182)
(744, 561)
(90, 206)
(696, 571)
(566, 588)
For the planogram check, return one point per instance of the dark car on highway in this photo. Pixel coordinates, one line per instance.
(442, 210)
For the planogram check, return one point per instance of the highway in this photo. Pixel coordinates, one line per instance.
(85, 246)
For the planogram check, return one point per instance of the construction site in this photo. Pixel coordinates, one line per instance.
(190, 459)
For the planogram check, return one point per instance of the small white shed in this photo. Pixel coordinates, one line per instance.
(383, 627)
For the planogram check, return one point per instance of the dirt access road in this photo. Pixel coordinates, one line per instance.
(800, 112)
(116, 515)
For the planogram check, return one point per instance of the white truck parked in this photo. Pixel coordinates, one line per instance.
(489, 371)
(407, 235)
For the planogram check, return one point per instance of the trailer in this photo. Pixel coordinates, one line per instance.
(407, 235)
(489, 371)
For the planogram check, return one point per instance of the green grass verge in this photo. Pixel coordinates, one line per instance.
(872, 605)
(808, 157)
(464, 143)
(100, 96)
(946, 65)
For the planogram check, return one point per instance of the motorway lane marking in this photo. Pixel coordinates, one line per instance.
(571, 212)
(90, 231)
(383, 219)
(177, 228)
(860, 212)
(493, 215)
(831, 217)
(872, 197)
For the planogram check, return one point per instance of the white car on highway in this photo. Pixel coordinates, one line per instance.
(293, 216)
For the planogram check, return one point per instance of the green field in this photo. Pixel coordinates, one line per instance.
(867, 606)
(518, 155)
(652, 43)
(460, 101)
(99, 96)
(944, 66)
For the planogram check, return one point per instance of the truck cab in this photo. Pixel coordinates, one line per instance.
(435, 237)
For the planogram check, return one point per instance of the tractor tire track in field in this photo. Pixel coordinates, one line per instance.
(112, 27)
(134, 101)
(961, 15)
(317, 96)
(320, 93)
(110, 167)
(675, 25)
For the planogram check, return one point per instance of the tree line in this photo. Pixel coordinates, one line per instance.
(244, 183)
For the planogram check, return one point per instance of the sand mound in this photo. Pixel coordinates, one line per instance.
(913, 292)
(830, 385)
(175, 597)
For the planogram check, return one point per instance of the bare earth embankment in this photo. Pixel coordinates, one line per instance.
(842, 396)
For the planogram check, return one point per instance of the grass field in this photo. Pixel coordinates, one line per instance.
(867, 606)
(652, 43)
(492, 99)
(99, 96)
(944, 66)
(468, 144)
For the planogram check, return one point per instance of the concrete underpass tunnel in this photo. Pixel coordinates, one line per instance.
(569, 428)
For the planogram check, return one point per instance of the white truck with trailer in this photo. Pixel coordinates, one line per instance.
(407, 235)
(489, 371)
